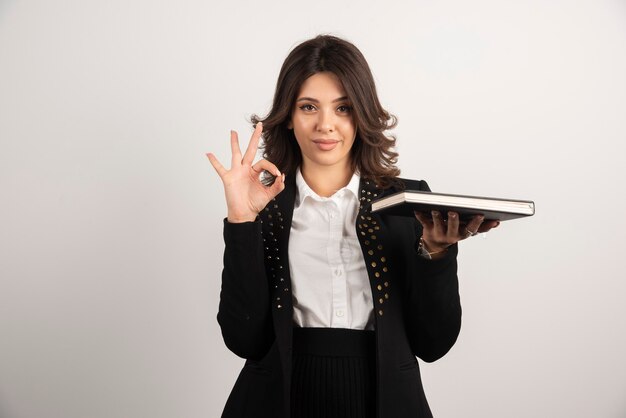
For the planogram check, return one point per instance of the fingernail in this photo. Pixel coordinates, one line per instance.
(278, 173)
(434, 213)
(451, 215)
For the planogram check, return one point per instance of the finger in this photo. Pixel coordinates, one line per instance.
(453, 225)
(438, 224)
(234, 148)
(253, 145)
(488, 225)
(473, 225)
(423, 219)
(216, 165)
(267, 166)
(278, 186)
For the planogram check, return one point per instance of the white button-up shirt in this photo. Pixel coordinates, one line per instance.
(330, 285)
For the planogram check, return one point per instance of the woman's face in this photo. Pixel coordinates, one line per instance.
(322, 122)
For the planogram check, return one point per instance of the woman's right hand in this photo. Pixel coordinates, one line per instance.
(246, 195)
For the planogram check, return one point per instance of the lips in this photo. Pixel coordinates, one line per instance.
(326, 144)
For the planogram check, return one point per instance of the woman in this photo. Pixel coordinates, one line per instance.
(328, 302)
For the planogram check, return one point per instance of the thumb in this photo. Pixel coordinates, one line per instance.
(278, 186)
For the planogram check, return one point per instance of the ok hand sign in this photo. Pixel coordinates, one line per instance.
(246, 195)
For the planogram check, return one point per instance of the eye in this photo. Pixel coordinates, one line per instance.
(344, 109)
(307, 107)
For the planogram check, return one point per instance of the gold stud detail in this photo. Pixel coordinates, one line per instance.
(380, 247)
(373, 263)
(383, 259)
(379, 287)
(371, 252)
(386, 295)
(377, 274)
(381, 300)
(380, 312)
(386, 284)
(385, 269)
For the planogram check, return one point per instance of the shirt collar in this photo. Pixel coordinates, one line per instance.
(305, 191)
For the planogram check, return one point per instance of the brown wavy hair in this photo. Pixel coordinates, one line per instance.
(372, 153)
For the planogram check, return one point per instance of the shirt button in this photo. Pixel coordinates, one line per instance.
(339, 313)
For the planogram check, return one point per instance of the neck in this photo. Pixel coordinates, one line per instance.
(325, 181)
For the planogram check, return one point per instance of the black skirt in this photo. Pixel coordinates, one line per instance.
(334, 373)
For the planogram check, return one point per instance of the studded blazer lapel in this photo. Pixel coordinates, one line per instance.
(276, 219)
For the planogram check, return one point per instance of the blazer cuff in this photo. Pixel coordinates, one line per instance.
(236, 232)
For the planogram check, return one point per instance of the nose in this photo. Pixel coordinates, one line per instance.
(326, 121)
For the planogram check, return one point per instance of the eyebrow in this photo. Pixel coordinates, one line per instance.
(311, 99)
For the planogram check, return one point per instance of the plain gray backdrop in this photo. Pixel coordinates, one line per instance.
(111, 215)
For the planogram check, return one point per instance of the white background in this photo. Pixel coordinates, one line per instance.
(111, 215)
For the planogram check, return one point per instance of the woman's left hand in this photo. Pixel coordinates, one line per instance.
(438, 234)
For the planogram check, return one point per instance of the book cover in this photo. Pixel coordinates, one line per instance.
(406, 202)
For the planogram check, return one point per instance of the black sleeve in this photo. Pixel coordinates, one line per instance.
(244, 312)
(433, 307)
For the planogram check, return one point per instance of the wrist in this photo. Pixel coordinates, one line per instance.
(430, 250)
(237, 219)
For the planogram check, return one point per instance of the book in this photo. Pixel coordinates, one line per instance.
(406, 202)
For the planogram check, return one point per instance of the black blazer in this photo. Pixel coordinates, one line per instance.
(416, 304)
